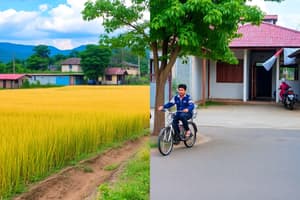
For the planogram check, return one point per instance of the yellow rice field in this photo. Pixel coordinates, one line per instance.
(44, 129)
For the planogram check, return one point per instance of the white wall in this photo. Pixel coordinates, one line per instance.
(75, 68)
(196, 85)
(43, 80)
(223, 90)
(183, 73)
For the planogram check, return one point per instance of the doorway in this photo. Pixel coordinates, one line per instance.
(261, 83)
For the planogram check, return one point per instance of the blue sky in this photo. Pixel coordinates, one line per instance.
(51, 22)
(287, 11)
(59, 22)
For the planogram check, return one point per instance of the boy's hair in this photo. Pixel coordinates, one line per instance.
(182, 86)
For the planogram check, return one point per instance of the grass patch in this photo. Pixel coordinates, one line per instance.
(85, 169)
(111, 167)
(153, 143)
(133, 183)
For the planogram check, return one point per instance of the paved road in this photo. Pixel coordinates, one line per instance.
(253, 159)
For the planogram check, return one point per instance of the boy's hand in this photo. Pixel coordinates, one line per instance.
(160, 108)
(186, 110)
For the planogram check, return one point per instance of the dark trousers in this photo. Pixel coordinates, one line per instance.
(181, 116)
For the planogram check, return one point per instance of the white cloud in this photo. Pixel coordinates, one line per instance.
(11, 16)
(260, 3)
(61, 26)
(43, 7)
(67, 18)
(63, 43)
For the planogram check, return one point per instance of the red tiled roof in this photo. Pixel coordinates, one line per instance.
(115, 71)
(266, 35)
(11, 76)
(71, 61)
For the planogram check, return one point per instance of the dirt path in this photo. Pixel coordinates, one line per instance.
(81, 182)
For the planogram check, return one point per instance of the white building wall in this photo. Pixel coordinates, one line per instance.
(225, 90)
(43, 80)
(197, 79)
(183, 73)
(75, 68)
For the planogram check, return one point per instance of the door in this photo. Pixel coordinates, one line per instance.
(261, 83)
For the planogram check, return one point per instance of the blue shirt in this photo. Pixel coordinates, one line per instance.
(181, 104)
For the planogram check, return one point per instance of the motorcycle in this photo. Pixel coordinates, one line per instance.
(289, 99)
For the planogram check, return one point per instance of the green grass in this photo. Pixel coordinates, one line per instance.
(153, 143)
(111, 167)
(133, 183)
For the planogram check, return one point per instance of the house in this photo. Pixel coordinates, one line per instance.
(248, 80)
(132, 69)
(12, 80)
(57, 79)
(114, 75)
(71, 65)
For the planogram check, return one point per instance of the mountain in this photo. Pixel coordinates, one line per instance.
(8, 51)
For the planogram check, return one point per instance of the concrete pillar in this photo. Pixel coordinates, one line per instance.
(245, 83)
(277, 78)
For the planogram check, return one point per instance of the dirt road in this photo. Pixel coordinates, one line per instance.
(81, 181)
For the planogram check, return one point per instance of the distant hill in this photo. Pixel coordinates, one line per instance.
(22, 52)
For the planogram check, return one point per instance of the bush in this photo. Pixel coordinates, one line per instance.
(136, 80)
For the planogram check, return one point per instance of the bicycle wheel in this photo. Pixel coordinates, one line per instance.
(165, 141)
(191, 140)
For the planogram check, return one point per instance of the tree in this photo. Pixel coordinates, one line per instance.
(42, 51)
(177, 28)
(94, 59)
(40, 59)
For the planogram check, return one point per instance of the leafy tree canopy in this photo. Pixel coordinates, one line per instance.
(42, 51)
(94, 60)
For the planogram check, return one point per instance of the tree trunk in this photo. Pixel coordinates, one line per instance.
(159, 117)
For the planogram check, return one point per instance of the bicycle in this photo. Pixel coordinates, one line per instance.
(167, 137)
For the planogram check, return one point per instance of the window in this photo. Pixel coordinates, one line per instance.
(290, 72)
(108, 77)
(229, 73)
(70, 67)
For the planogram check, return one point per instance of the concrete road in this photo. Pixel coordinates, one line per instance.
(243, 157)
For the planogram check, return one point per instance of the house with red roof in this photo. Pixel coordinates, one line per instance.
(114, 76)
(12, 80)
(248, 80)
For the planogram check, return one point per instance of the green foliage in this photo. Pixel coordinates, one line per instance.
(134, 182)
(40, 59)
(196, 25)
(35, 62)
(94, 60)
(111, 167)
(136, 80)
(26, 85)
(42, 51)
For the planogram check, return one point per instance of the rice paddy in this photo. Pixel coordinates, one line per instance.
(45, 129)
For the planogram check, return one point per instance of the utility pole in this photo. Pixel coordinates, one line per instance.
(14, 65)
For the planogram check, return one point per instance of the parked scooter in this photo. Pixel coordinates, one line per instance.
(289, 99)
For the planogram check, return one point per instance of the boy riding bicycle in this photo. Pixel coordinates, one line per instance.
(184, 105)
